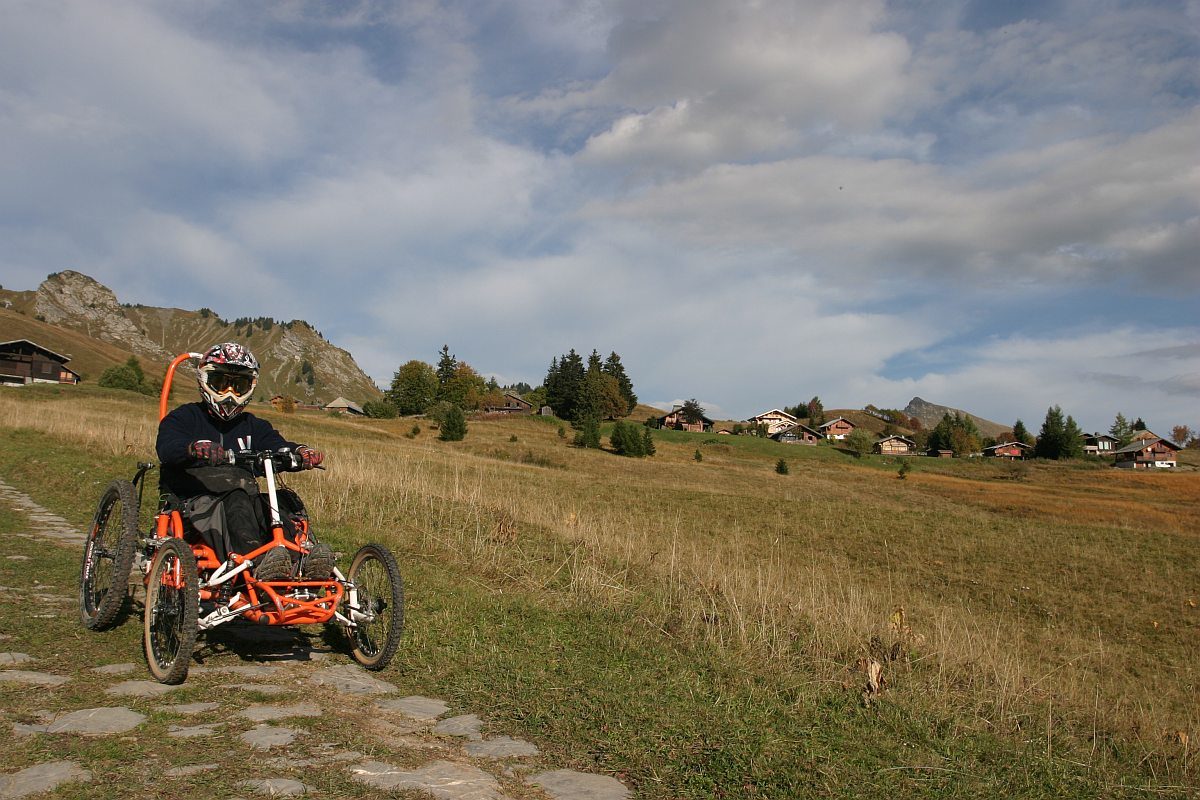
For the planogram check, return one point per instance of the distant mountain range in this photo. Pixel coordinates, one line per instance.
(75, 315)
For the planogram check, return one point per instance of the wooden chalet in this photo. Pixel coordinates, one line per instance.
(1011, 451)
(775, 420)
(1099, 444)
(838, 428)
(940, 453)
(513, 404)
(799, 433)
(23, 361)
(1143, 436)
(343, 406)
(1146, 454)
(895, 445)
(673, 420)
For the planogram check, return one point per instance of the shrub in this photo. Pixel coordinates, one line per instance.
(698, 455)
(379, 409)
(588, 434)
(905, 468)
(781, 466)
(127, 376)
(453, 425)
(626, 440)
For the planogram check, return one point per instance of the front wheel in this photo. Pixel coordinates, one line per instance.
(378, 607)
(172, 609)
(108, 556)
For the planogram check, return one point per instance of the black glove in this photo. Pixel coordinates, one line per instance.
(208, 452)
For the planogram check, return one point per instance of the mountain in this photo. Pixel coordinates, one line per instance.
(76, 315)
(930, 415)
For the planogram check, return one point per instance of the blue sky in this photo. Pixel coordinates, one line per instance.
(994, 206)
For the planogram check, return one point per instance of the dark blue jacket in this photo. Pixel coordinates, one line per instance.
(191, 423)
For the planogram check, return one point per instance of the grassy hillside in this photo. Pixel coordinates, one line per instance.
(701, 628)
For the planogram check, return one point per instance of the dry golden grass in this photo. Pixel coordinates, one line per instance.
(1059, 608)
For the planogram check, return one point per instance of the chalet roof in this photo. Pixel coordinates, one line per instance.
(518, 398)
(11, 345)
(1140, 445)
(772, 412)
(897, 436)
(793, 429)
(343, 403)
(1098, 436)
(677, 409)
(1021, 445)
(835, 420)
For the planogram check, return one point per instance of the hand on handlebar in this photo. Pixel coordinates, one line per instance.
(210, 453)
(309, 458)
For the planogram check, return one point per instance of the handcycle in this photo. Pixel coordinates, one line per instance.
(190, 590)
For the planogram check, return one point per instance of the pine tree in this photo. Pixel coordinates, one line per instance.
(614, 367)
(647, 442)
(1120, 430)
(1020, 434)
(453, 425)
(1059, 437)
(446, 365)
(1138, 425)
(563, 383)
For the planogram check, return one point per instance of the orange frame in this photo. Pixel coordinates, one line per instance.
(286, 608)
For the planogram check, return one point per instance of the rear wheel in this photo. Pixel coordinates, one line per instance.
(379, 610)
(172, 608)
(108, 556)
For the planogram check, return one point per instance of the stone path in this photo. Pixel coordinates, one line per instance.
(455, 756)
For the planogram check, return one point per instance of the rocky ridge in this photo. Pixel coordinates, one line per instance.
(297, 360)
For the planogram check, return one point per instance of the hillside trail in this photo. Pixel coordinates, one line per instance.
(251, 715)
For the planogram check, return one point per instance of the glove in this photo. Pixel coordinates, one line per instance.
(208, 452)
(309, 458)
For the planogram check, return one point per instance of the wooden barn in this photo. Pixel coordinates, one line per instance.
(23, 361)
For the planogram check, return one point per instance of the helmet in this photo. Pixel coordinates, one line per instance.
(228, 374)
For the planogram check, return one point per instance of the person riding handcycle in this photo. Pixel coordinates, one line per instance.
(220, 499)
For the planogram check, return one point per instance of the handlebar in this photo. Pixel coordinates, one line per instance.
(281, 460)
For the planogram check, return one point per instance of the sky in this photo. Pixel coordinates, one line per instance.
(991, 205)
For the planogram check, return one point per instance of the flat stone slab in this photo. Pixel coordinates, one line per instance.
(501, 747)
(12, 659)
(351, 680)
(115, 669)
(89, 722)
(17, 558)
(194, 731)
(190, 708)
(275, 787)
(32, 678)
(467, 725)
(193, 769)
(260, 688)
(41, 778)
(567, 784)
(415, 707)
(265, 737)
(139, 689)
(269, 713)
(442, 779)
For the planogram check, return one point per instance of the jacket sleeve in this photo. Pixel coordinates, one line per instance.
(174, 436)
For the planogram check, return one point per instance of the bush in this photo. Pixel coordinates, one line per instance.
(379, 409)
(626, 440)
(588, 434)
(698, 456)
(781, 467)
(905, 468)
(127, 376)
(453, 425)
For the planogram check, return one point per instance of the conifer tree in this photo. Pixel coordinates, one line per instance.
(647, 442)
(1020, 434)
(1059, 437)
(453, 425)
(1120, 430)
(614, 367)
(446, 365)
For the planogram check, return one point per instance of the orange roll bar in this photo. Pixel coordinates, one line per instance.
(166, 390)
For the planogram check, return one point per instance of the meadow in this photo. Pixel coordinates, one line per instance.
(702, 628)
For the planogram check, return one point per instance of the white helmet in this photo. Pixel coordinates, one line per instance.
(228, 375)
